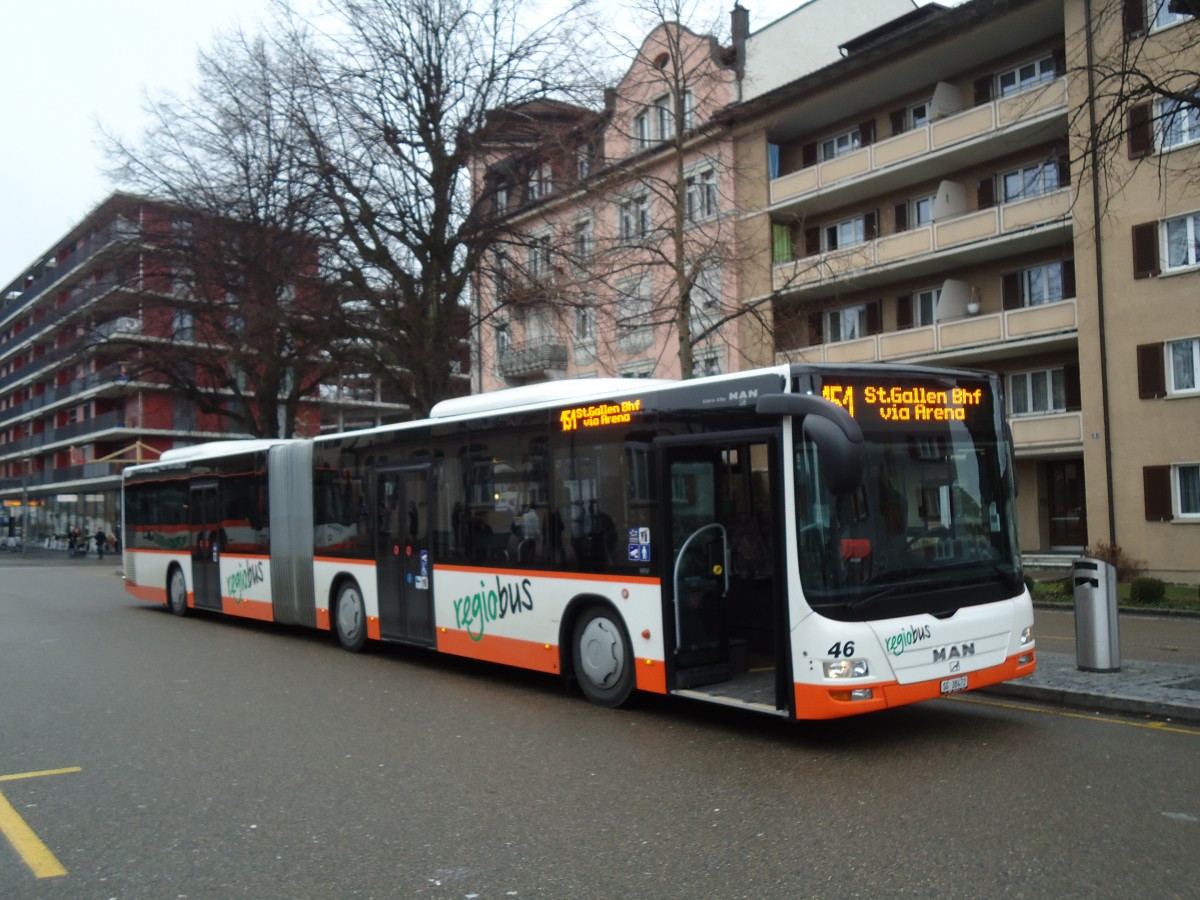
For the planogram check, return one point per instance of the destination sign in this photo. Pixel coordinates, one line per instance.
(906, 403)
(599, 415)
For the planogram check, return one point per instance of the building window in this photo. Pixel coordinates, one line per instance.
(689, 110)
(1041, 391)
(1181, 237)
(1042, 284)
(924, 306)
(585, 323)
(834, 147)
(1178, 124)
(918, 116)
(182, 325)
(539, 257)
(1030, 181)
(664, 118)
(1183, 364)
(582, 241)
(709, 362)
(702, 195)
(846, 324)
(1161, 15)
(1026, 75)
(634, 331)
(583, 162)
(845, 234)
(640, 138)
(503, 342)
(922, 211)
(1187, 489)
(634, 218)
(501, 198)
(706, 297)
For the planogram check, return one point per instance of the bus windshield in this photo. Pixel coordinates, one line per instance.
(930, 528)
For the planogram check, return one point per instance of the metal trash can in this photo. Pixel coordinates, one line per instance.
(1097, 641)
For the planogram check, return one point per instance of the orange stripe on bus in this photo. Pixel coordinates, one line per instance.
(651, 675)
(179, 551)
(373, 628)
(248, 609)
(149, 594)
(821, 701)
(538, 573)
(540, 657)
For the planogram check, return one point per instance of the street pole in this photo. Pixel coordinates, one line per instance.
(24, 503)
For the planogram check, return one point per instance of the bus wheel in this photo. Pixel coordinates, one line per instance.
(177, 592)
(602, 658)
(350, 618)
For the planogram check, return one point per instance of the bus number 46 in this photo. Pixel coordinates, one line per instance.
(838, 650)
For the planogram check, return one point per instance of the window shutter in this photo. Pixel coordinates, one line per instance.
(904, 311)
(808, 155)
(900, 216)
(875, 317)
(1059, 55)
(816, 329)
(1140, 121)
(1156, 483)
(870, 226)
(1010, 290)
(1145, 250)
(866, 132)
(1134, 17)
(1068, 278)
(1151, 369)
(812, 241)
(1064, 170)
(983, 90)
(987, 192)
(899, 118)
(1071, 392)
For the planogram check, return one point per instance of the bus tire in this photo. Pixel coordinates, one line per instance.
(602, 658)
(350, 617)
(177, 592)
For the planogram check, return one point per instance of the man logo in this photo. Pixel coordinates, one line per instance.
(942, 654)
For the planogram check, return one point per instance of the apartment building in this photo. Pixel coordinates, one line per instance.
(927, 198)
(76, 406)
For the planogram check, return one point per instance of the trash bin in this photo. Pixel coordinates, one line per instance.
(1097, 642)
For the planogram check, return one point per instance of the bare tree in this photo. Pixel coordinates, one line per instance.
(235, 316)
(1139, 71)
(398, 92)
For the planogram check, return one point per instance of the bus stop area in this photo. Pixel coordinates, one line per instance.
(1147, 683)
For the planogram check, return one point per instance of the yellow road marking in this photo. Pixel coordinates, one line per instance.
(1091, 717)
(29, 847)
(68, 771)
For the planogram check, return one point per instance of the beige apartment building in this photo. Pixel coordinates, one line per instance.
(930, 198)
(926, 194)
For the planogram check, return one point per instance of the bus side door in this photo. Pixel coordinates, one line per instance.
(204, 521)
(404, 554)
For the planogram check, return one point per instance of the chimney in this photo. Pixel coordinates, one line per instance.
(739, 20)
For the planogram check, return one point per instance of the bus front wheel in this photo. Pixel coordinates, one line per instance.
(177, 592)
(350, 618)
(602, 658)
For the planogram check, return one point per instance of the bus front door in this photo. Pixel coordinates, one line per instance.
(403, 554)
(204, 520)
(723, 517)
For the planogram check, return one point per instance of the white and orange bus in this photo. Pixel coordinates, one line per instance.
(805, 541)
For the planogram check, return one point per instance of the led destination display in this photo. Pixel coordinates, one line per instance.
(907, 403)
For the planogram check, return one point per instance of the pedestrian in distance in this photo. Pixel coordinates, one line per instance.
(101, 542)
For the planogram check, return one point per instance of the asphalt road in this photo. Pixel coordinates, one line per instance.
(211, 758)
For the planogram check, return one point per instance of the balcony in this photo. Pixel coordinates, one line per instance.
(544, 358)
(1005, 125)
(1047, 433)
(965, 239)
(961, 341)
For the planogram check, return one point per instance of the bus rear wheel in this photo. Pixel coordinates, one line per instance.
(350, 618)
(177, 592)
(602, 658)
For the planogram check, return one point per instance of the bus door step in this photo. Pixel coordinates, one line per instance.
(698, 675)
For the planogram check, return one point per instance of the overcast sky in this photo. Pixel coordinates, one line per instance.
(67, 67)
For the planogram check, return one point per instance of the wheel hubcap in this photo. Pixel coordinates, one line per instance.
(602, 653)
(349, 616)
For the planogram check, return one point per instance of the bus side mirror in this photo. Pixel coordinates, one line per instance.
(838, 438)
(841, 459)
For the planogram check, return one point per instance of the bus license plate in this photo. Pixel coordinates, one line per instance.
(954, 685)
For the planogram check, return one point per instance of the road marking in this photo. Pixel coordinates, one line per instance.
(29, 847)
(1091, 717)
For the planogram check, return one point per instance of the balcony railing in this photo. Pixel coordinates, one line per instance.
(957, 234)
(1004, 118)
(959, 337)
(533, 358)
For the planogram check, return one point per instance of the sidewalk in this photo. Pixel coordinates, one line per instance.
(1144, 687)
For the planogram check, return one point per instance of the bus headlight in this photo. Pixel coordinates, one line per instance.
(846, 668)
(1027, 636)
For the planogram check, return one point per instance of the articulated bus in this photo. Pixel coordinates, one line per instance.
(805, 541)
